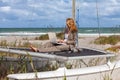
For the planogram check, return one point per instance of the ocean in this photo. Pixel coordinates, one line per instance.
(40, 31)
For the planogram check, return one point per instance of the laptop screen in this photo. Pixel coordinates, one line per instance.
(52, 36)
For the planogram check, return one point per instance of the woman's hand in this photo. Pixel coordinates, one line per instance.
(60, 41)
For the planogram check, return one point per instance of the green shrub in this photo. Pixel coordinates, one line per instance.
(42, 37)
(101, 40)
(113, 39)
(45, 36)
(60, 35)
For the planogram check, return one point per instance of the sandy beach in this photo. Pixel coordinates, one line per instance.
(83, 41)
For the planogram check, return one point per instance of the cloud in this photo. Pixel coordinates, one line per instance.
(51, 9)
(56, 11)
(108, 11)
(37, 9)
(5, 8)
(105, 7)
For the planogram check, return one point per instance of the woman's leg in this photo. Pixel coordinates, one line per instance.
(43, 48)
(47, 45)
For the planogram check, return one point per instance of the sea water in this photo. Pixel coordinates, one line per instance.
(40, 31)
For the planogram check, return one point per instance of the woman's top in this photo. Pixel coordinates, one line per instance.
(72, 38)
(66, 37)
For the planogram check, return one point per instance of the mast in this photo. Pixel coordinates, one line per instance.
(73, 16)
(73, 9)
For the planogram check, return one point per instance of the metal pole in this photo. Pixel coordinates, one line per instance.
(73, 16)
(73, 9)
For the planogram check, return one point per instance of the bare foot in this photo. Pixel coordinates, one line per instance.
(33, 48)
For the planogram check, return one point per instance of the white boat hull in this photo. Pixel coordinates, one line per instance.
(110, 70)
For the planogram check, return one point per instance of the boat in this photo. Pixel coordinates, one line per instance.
(94, 72)
(99, 72)
(103, 72)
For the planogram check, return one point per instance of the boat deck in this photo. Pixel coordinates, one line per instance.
(82, 53)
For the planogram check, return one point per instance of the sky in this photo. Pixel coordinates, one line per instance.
(53, 13)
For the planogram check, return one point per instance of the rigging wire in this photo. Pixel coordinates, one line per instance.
(98, 21)
(78, 9)
(77, 21)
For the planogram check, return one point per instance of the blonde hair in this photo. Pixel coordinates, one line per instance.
(73, 27)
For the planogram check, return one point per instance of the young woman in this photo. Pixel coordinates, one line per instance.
(70, 40)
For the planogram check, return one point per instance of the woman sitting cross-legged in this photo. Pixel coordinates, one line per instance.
(69, 41)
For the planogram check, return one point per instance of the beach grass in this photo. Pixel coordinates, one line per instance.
(115, 49)
(8, 67)
(23, 64)
(111, 40)
(3, 43)
(114, 39)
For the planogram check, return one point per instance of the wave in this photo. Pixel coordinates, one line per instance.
(42, 33)
(20, 34)
(96, 34)
(90, 30)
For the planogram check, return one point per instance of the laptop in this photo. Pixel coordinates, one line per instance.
(53, 38)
